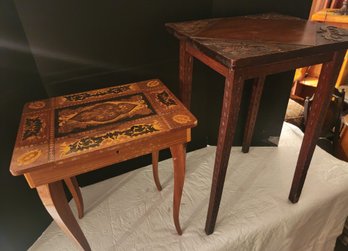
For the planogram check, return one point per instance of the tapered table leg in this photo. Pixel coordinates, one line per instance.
(256, 94)
(178, 154)
(155, 170)
(53, 198)
(322, 97)
(229, 116)
(75, 191)
(185, 75)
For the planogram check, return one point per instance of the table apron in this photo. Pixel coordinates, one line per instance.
(249, 72)
(213, 64)
(102, 158)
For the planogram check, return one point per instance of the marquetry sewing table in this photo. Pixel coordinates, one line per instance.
(65, 136)
(252, 47)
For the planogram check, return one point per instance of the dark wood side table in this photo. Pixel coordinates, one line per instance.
(252, 47)
(65, 136)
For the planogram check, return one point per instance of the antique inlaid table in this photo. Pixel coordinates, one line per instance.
(65, 136)
(252, 47)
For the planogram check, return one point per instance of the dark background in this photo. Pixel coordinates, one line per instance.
(50, 48)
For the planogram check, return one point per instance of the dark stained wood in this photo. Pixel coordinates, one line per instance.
(62, 137)
(155, 170)
(75, 191)
(213, 64)
(277, 66)
(228, 122)
(185, 74)
(251, 40)
(254, 47)
(178, 153)
(322, 97)
(256, 94)
(53, 197)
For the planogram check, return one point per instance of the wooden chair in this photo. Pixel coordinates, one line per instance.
(62, 137)
(330, 134)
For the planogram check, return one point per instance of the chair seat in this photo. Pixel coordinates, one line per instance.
(98, 128)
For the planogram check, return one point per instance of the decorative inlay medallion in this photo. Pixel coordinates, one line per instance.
(152, 83)
(98, 93)
(164, 98)
(84, 117)
(182, 119)
(108, 138)
(36, 105)
(28, 157)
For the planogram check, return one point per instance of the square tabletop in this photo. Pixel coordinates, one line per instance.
(64, 128)
(249, 40)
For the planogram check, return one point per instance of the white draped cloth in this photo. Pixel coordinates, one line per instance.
(128, 213)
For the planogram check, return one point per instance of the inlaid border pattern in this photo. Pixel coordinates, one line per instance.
(91, 94)
(88, 143)
(89, 127)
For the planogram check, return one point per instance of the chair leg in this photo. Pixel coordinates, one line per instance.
(155, 170)
(75, 191)
(322, 98)
(178, 154)
(234, 85)
(252, 113)
(53, 197)
(185, 74)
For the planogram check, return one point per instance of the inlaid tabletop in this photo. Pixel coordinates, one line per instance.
(240, 41)
(69, 126)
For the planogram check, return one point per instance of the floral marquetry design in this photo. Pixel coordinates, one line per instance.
(95, 114)
(32, 128)
(164, 98)
(74, 129)
(91, 130)
(98, 93)
(108, 138)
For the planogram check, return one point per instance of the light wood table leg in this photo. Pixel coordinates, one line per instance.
(53, 198)
(155, 170)
(256, 94)
(228, 122)
(185, 74)
(178, 154)
(75, 191)
(322, 97)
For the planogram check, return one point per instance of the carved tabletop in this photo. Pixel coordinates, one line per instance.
(240, 41)
(60, 131)
(65, 136)
(252, 47)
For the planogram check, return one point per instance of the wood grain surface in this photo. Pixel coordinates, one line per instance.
(252, 47)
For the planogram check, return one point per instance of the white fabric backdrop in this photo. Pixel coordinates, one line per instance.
(128, 213)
